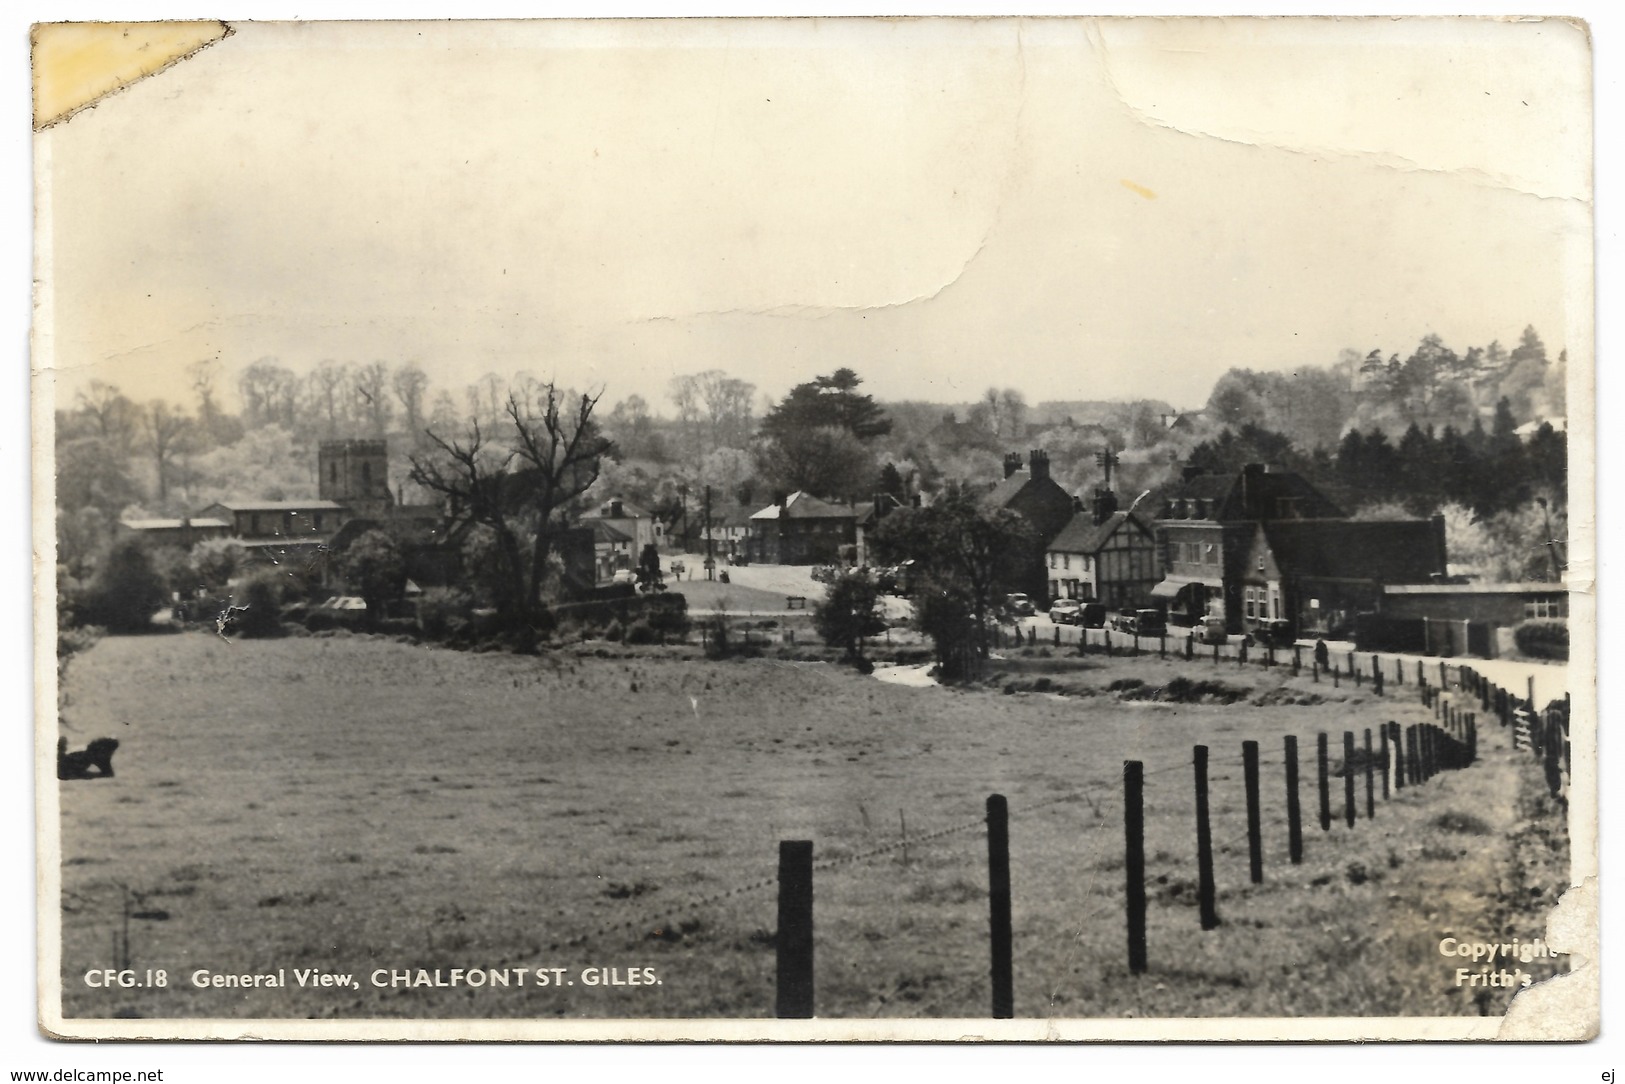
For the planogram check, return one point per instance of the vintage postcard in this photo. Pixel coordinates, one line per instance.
(792, 529)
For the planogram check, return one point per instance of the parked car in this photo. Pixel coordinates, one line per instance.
(1093, 615)
(1141, 623)
(1211, 630)
(1019, 605)
(1276, 633)
(1066, 611)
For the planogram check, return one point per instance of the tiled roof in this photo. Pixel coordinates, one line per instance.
(172, 524)
(1084, 535)
(799, 505)
(279, 506)
(1394, 551)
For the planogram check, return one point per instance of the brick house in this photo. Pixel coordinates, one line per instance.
(1047, 508)
(800, 529)
(1262, 545)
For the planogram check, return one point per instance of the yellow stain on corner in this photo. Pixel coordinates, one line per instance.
(78, 64)
(1138, 189)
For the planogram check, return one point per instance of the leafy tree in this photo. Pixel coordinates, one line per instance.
(968, 557)
(217, 561)
(91, 473)
(826, 462)
(125, 591)
(375, 568)
(828, 402)
(850, 611)
(168, 433)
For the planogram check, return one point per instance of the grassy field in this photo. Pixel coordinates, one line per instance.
(352, 803)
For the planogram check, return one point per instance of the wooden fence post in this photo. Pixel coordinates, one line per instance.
(998, 895)
(1397, 751)
(1413, 754)
(1294, 815)
(1134, 860)
(1205, 888)
(1348, 777)
(1325, 783)
(1255, 837)
(795, 937)
(1370, 788)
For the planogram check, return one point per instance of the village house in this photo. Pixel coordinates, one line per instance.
(1039, 499)
(1261, 545)
(1105, 555)
(800, 529)
(638, 524)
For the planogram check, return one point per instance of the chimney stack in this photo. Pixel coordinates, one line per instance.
(1105, 504)
(616, 508)
(1040, 464)
(1012, 463)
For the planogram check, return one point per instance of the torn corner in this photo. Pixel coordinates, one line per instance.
(1564, 1008)
(76, 65)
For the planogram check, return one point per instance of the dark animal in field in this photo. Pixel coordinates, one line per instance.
(78, 764)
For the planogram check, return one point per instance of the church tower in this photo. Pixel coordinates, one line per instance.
(355, 473)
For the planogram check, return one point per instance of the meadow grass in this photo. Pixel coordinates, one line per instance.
(353, 802)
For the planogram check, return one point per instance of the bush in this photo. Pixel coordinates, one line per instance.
(615, 633)
(667, 615)
(125, 592)
(442, 610)
(263, 597)
(641, 632)
(1543, 639)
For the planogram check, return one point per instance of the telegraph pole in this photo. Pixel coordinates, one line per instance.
(710, 560)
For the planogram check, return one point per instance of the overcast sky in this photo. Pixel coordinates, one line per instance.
(1074, 208)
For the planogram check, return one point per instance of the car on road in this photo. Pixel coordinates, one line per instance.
(1066, 611)
(1019, 605)
(1211, 631)
(1093, 615)
(1277, 633)
(1141, 623)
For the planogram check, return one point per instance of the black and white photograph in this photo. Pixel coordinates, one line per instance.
(816, 529)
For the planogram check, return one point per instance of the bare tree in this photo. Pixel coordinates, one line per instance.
(526, 487)
(372, 402)
(112, 415)
(205, 376)
(326, 390)
(562, 450)
(410, 383)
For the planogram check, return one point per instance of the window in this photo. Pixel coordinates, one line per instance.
(1066, 560)
(1261, 562)
(1544, 607)
(1250, 602)
(1052, 560)
(333, 473)
(366, 476)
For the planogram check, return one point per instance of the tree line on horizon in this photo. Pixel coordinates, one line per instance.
(1421, 434)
